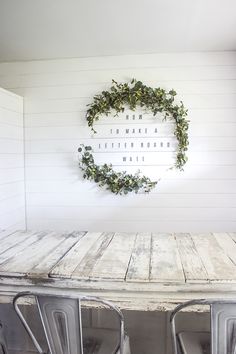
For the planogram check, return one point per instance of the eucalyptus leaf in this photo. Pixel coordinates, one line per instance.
(133, 95)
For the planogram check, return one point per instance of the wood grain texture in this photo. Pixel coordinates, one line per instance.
(141, 271)
(232, 235)
(69, 263)
(27, 258)
(17, 245)
(217, 263)
(193, 267)
(11, 161)
(165, 259)
(89, 262)
(227, 244)
(114, 262)
(50, 260)
(139, 266)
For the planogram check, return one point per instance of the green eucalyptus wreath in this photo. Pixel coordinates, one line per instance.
(132, 95)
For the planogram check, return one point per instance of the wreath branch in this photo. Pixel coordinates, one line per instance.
(132, 95)
(116, 182)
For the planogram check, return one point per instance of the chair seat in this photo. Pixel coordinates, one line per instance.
(195, 342)
(102, 341)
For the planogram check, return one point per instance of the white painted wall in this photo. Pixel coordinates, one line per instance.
(203, 198)
(12, 197)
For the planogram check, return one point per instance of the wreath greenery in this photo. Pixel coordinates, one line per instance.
(132, 95)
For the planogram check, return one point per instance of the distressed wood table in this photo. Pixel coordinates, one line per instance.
(141, 271)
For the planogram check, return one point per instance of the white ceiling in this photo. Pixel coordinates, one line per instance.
(40, 29)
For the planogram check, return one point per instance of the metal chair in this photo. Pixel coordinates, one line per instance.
(3, 345)
(62, 323)
(221, 339)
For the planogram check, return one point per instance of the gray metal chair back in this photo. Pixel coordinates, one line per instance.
(62, 321)
(223, 324)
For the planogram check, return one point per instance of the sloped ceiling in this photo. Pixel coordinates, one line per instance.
(43, 29)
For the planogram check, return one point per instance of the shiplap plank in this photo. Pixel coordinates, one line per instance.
(11, 132)
(11, 101)
(212, 159)
(154, 171)
(15, 217)
(177, 200)
(73, 185)
(29, 257)
(80, 91)
(227, 244)
(60, 224)
(49, 261)
(141, 214)
(69, 263)
(114, 262)
(193, 267)
(218, 264)
(152, 75)
(79, 104)
(139, 266)
(11, 159)
(165, 259)
(116, 62)
(94, 254)
(81, 131)
(201, 143)
(77, 118)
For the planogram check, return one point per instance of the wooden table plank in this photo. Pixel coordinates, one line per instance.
(232, 235)
(139, 267)
(24, 261)
(5, 233)
(193, 267)
(166, 264)
(69, 263)
(94, 254)
(13, 239)
(25, 240)
(117, 266)
(218, 265)
(114, 262)
(44, 267)
(227, 244)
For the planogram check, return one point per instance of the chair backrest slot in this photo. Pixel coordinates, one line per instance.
(223, 324)
(223, 328)
(61, 320)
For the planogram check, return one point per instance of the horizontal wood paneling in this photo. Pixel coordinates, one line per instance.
(111, 62)
(161, 200)
(152, 74)
(71, 145)
(56, 92)
(120, 214)
(77, 118)
(164, 186)
(137, 226)
(79, 132)
(12, 194)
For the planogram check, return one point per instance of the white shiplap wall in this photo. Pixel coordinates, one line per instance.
(12, 195)
(56, 92)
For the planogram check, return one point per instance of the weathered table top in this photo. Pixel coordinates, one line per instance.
(141, 271)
